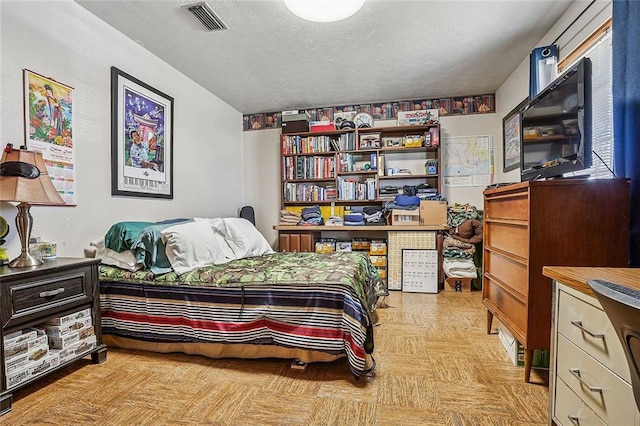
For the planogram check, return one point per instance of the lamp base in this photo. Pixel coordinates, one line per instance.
(25, 260)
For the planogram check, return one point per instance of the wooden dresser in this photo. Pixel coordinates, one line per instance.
(590, 382)
(528, 225)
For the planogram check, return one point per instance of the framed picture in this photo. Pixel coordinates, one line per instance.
(141, 138)
(511, 137)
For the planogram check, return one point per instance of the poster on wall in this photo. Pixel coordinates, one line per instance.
(49, 129)
(141, 138)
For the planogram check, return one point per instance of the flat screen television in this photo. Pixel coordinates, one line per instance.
(556, 126)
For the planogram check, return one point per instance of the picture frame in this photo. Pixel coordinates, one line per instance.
(512, 137)
(141, 138)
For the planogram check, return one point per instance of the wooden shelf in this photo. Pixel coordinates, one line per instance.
(367, 228)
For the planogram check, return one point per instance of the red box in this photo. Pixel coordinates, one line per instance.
(315, 128)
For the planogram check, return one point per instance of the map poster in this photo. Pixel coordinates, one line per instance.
(467, 160)
(49, 129)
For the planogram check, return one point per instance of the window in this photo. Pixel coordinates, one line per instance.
(598, 48)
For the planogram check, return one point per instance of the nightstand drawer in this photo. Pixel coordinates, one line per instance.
(53, 292)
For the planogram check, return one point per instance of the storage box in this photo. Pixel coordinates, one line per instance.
(516, 351)
(85, 313)
(433, 212)
(378, 248)
(68, 327)
(295, 126)
(378, 260)
(405, 217)
(322, 127)
(457, 284)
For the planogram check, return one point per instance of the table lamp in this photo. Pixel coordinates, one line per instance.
(24, 178)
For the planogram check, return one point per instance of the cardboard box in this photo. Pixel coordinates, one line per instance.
(68, 327)
(405, 217)
(433, 212)
(20, 336)
(457, 284)
(516, 351)
(85, 313)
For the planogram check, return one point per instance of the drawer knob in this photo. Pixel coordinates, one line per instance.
(574, 419)
(52, 292)
(576, 373)
(590, 333)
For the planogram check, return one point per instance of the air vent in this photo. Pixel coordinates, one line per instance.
(205, 14)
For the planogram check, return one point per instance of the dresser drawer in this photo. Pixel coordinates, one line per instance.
(571, 410)
(507, 305)
(605, 347)
(56, 291)
(510, 272)
(613, 403)
(508, 237)
(513, 206)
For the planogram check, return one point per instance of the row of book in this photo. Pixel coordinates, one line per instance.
(308, 168)
(308, 192)
(455, 105)
(356, 190)
(318, 144)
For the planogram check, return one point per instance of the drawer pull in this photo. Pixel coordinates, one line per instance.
(576, 372)
(574, 419)
(52, 292)
(581, 327)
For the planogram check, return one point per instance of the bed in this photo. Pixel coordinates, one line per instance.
(309, 307)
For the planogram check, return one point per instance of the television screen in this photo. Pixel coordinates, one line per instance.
(556, 126)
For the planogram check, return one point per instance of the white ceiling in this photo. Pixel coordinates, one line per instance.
(269, 60)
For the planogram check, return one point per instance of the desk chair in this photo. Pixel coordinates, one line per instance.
(246, 212)
(622, 306)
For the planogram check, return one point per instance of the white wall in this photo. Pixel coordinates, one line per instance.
(262, 179)
(66, 42)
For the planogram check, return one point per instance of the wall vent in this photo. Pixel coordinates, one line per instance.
(206, 16)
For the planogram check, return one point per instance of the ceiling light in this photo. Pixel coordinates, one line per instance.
(324, 10)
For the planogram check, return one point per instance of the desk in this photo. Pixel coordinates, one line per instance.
(397, 236)
(585, 349)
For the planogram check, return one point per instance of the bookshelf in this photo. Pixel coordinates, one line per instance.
(358, 166)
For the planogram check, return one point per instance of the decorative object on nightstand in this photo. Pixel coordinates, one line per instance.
(24, 178)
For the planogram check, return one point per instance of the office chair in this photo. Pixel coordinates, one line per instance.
(246, 212)
(622, 306)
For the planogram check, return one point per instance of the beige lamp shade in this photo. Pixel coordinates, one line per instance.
(25, 189)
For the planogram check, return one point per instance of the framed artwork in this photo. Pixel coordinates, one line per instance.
(511, 137)
(48, 112)
(141, 138)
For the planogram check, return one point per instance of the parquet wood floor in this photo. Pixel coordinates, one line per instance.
(435, 366)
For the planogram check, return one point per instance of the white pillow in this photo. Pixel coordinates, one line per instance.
(123, 260)
(194, 244)
(243, 238)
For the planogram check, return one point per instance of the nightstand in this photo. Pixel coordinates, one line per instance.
(31, 296)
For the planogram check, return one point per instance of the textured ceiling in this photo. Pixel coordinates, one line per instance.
(270, 60)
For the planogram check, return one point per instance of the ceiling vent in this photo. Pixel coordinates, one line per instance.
(206, 16)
